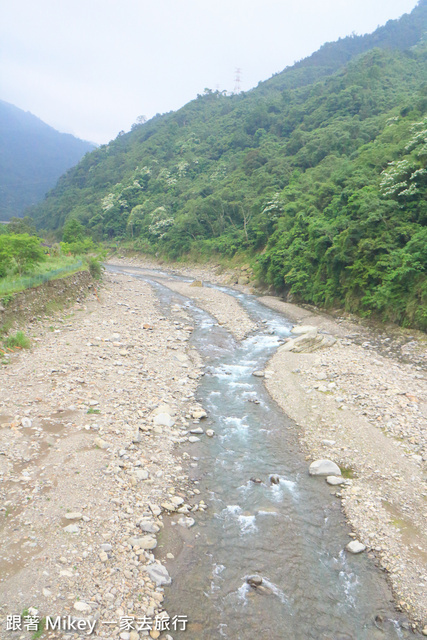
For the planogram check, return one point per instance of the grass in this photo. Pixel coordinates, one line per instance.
(347, 472)
(92, 410)
(54, 267)
(19, 340)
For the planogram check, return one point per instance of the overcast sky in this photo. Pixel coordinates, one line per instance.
(91, 67)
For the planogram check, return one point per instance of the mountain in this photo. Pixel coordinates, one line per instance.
(32, 157)
(318, 175)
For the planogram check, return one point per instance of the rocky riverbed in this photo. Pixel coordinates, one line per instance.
(89, 422)
(91, 417)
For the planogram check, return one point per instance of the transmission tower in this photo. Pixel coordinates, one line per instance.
(237, 80)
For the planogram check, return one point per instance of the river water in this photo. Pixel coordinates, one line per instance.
(292, 534)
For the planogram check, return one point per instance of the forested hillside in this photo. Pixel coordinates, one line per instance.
(32, 157)
(319, 174)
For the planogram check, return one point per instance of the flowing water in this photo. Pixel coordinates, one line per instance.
(292, 534)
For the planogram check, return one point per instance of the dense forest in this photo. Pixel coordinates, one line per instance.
(318, 174)
(33, 156)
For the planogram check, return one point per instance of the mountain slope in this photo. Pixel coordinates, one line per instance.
(320, 170)
(32, 157)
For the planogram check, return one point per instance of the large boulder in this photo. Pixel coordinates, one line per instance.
(324, 468)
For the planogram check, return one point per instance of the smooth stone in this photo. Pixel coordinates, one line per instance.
(146, 542)
(106, 547)
(99, 442)
(193, 439)
(163, 420)
(198, 414)
(210, 433)
(177, 500)
(82, 606)
(148, 526)
(26, 423)
(74, 515)
(197, 430)
(334, 480)
(158, 574)
(141, 474)
(275, 479)
(71, 528)
(256, 480)
(254, 580)
(355, 547)
(324, 468)
(258, 374)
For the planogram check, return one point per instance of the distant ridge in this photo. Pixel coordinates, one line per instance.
(317, 176)
(32, 157)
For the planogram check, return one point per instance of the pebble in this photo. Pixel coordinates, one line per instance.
(82, 606)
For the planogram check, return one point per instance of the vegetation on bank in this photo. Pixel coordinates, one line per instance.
(26, 261)
(319, 174)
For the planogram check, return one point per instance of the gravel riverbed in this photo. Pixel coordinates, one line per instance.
(90, 419)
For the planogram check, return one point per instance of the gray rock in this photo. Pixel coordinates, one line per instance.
(193, 439)
(73, 515)
(324, 468)
(210, 433)
(197, 430)
(158, 574)
(141, 474)
(186, 522)
(355, 547)
(163, 420)
(258, 374)
(82, 606)
(274, 478)
(254, 581)
(334, 480)
(145, 542)
(71, 528)
(148, 525)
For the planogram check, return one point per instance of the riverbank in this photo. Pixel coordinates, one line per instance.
(89, 420)
(361, 402)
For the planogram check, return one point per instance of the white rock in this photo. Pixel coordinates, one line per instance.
(163, 420)
(355, 546)
(324, 468)
(145, 542)
(198, 414)
(141, 474)
(26, 423)
(73, 515)
(334, 480)
(82, 606)
(193, 439)
(299, 330)
(71, 528)
(210, 433)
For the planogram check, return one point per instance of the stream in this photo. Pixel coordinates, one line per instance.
(292, 534)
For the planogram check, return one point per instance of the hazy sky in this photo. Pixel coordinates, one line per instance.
(91, 67)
